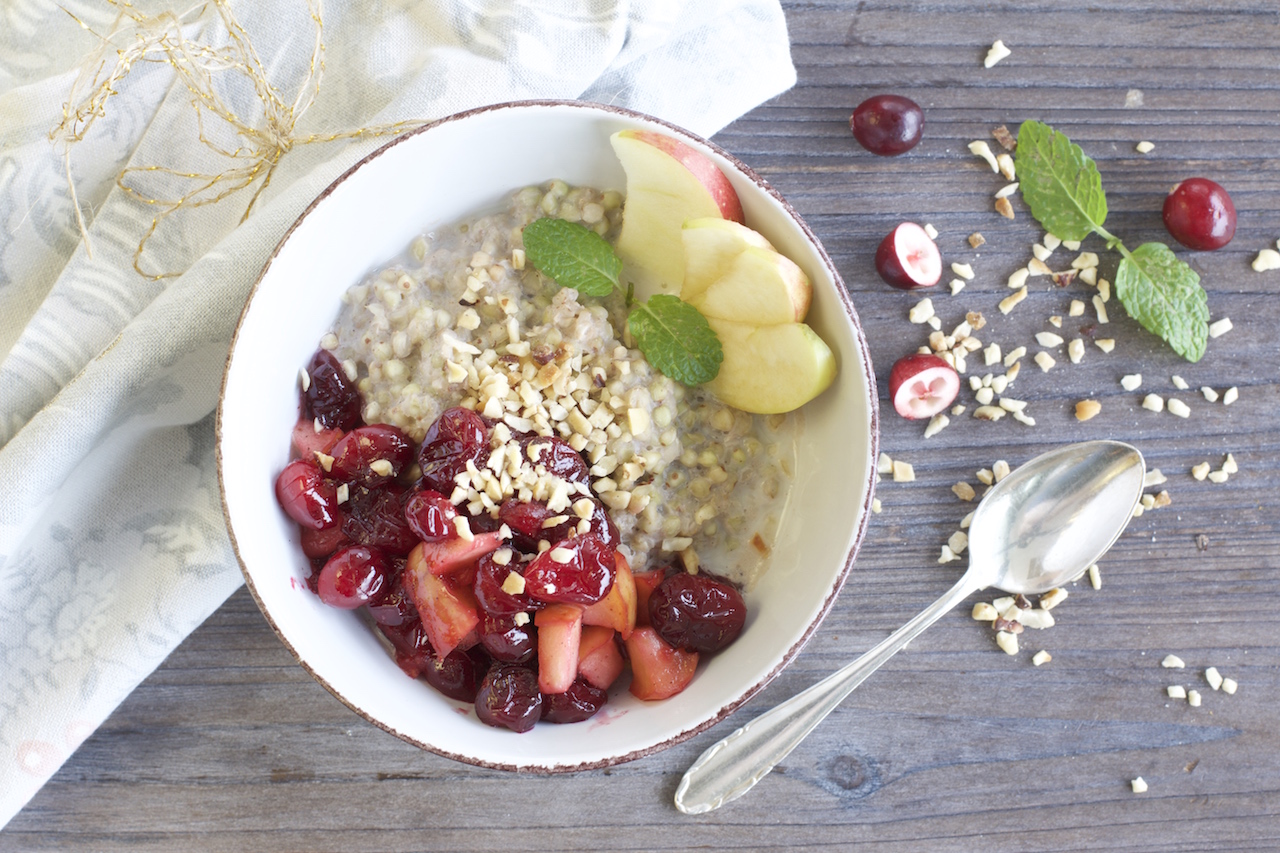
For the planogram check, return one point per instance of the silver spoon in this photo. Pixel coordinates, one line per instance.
(1036, 529)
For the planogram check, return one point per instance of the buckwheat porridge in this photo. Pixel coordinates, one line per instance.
(461, 320)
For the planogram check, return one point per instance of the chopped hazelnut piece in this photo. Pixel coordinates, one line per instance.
(984, 612)
(1131, 382)
(1105, 344)
(1053, 598)
(976, 239)
(1041, 657)
(1268, 259)
(1218, 328)
(903, 472)
(1153, 403)
(1229, 686)
(1193, 698)
(1008, 642)
(1095, 577)
(1045, 361)
(1200, 471)
(1004, 137)
(983, 150)
(1006, 166)
(1172, 662)
(1007, 304)
(1229, 396)
(1177, 407)
(1144, 147)
(1087, 409)
(997, 53)
(1139, 785)
(1214, 678)
(1176, 691)
(1003, 207)
(931, 231)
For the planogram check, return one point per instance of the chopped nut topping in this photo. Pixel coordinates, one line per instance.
(1105, 344)
(931, 231)
(983, 150)
(1177, 407)
(1218, 328)
(1006, 191)
(903, 472)
(1229, 686)
(1009, 302)
(922, 311)
(1176, 691)
(1268, 259)
(1008, 642)
(997, 52)
(343, 493)
(984, 612)
(1052, 598)
(1209, 394)
(936, 425)
(1131, 381)
(1041, 657)
(1172, 662)
(1003, 207)
(1004, 137)
(1045, 361)
(1006, 167)
(1200, 471)
(1086, 409)
(1145, 147)
(963, 491)
(1212, 676)
(1193, 698)
(1139, 786)
(1229, 396)
(976, 239)
(1095, 577)
(1153, 403)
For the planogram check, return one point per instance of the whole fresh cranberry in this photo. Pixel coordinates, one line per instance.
(697, 613)
(331, 398)
(887, 124)
(353, 577)
(1199, 214)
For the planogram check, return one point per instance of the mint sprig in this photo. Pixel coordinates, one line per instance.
(673, 335)
(1063, 188)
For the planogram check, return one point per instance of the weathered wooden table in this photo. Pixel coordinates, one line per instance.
(953, 745)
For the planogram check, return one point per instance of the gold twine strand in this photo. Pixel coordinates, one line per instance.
(160, 38)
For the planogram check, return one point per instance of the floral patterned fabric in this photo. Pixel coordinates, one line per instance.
(112, 542)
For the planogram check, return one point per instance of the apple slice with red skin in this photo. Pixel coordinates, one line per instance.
(599, 659)
(922, 385)
(617, 610)
(447, 556)
(449, 613)
(668, 183)
(658, 671)
(907, 258)
(306, 441)
(559, 638)
(646, 583)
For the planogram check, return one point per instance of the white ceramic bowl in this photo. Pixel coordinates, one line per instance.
(448, 170)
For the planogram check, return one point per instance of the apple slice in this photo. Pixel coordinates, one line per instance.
(559, 638)
(770, 369)
(668, 182)
(729, 274)
(599, 660)
(617, 610)
(447, 556)
(449, 614)
(658, 671)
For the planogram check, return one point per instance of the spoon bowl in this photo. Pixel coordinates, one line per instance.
(1037, 528)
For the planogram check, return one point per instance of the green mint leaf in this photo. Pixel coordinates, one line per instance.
(676, 339)
(1164, 295)
(1059, 182)
(572, 255)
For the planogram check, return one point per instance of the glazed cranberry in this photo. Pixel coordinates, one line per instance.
(600, 525)
(320, 544)
(331, 397)
(1199, 214)
(353, 577)
(558, 457)
(413, 652)
(306, 496)
(887, 124)
(356, 451)
(457, 437)
(524, 518)
(395, 606)
(458, 674)
(585, 577)
(376, 518)
(580, 702)
(493, 599)
(506, 641)
(430, 516)
(697, 613)
(509, 698)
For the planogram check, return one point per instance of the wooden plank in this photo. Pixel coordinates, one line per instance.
(953, 746)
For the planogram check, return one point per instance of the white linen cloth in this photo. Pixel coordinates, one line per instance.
(112, 541)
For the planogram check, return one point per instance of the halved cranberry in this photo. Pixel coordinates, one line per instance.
(457, 437)
(331, 397)
(430, 516)
(509, 698)
(581, 701)
(353, 577)
(458, 675)
(557, 456)
(506, 641)
(493, 599)
(320, 544)
(394, 607)
(698, 613)
(306, 496)
(376, 518)
(359, 449)
(585, 576)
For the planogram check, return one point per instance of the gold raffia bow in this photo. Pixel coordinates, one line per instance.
(160, 38)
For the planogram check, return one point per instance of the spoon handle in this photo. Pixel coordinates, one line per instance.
(733, 766)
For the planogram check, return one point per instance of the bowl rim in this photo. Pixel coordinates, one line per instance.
(860, 340)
